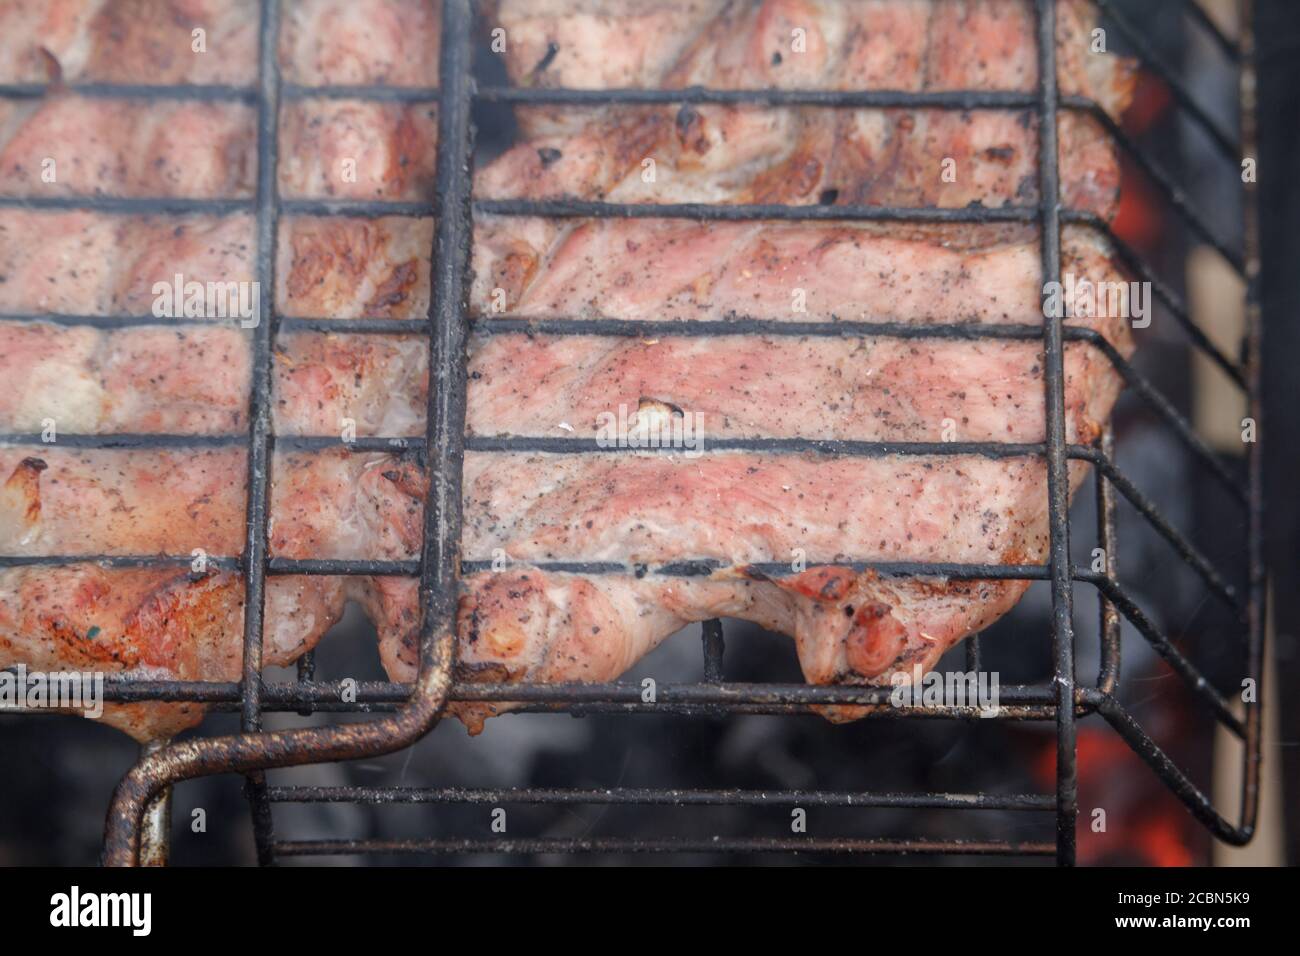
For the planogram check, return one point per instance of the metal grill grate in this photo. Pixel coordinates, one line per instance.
(410, 711)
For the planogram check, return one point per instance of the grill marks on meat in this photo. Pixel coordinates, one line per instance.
(744, 508)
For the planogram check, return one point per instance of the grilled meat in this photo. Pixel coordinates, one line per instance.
(89, 381)
(386, 149)
(192, 150)
(129, 41)
(746, 508)
(350, 268)
(740, 510)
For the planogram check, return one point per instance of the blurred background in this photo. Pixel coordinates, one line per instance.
(58, 772)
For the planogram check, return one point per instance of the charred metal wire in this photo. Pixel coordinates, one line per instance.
(355, 207)
(1058, 477)
(1186, 550)
(377, 93)
(796, 446)
(168, 206)
(1108, 671)
(1161, 405)
(216, 92)
(117, 561)
(204, 92)
(704, 567)
(749, 327)
(361, 326)
(736, 845)
(668, 797)
(1258, 575)
(1160, 643)
(1016, 702)
(130, 440)
(1200, 805)
(259, 414)
(714, 646)
(144, 205)
(414, 708)
(775, 212)
(694, 95)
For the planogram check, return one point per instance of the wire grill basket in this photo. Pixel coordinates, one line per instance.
(406, 712)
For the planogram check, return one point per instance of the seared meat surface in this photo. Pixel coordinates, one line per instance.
(737, 509)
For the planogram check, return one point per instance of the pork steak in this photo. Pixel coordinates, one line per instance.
(737, 507)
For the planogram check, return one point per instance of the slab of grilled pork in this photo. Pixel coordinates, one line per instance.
(737, 509)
